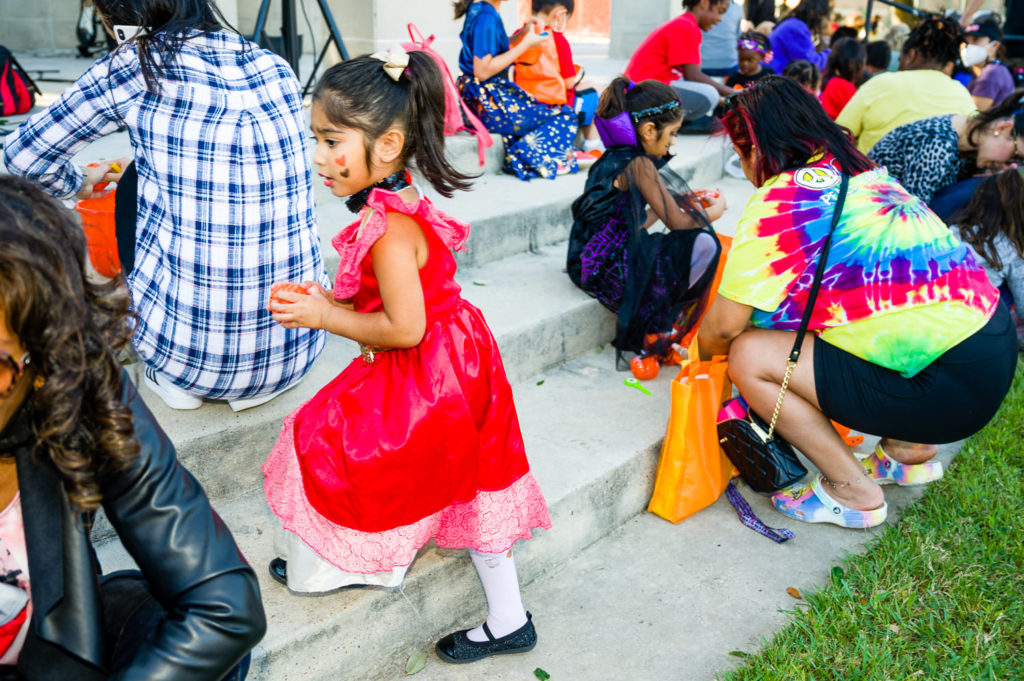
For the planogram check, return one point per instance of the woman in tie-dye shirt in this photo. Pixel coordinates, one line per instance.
(909, 339)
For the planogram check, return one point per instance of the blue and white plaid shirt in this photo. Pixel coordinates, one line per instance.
(225, 205)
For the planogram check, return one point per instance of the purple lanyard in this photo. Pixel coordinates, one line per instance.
(750, 519)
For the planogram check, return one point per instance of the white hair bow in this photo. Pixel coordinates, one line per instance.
(396, 60)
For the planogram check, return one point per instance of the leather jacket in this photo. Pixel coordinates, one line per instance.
(185, 552)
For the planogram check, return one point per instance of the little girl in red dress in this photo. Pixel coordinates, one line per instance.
(417, 439)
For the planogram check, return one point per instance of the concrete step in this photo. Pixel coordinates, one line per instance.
(593, 445)
(509, 216)
(538, 317)
(463, 153)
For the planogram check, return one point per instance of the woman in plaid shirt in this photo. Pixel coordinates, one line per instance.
(225, 203)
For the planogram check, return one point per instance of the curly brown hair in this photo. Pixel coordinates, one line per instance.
(73, 329)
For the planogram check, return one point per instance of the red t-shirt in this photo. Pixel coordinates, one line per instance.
(662, 54)
(566, 67)
(838, 91)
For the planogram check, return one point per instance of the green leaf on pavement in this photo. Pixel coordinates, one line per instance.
(541, 674)
(417, 661)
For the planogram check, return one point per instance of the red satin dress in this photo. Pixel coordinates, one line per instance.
(414, 444)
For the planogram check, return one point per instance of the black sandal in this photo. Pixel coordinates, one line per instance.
(458, 649)
(278, 569)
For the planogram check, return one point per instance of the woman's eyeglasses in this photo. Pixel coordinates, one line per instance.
(10, 371)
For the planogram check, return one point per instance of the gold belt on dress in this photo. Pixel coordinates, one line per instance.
(369, 352)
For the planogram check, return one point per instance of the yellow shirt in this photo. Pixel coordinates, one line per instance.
(890, 100)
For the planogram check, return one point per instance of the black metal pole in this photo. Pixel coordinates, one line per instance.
(867, 20)
(290, 34)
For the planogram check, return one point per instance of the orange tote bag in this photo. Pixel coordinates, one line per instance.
(693, 470)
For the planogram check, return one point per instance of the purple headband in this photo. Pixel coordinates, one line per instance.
(617, 131)
(752, 45)
(620, 130)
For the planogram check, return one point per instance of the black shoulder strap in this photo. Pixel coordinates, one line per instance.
(819, 272)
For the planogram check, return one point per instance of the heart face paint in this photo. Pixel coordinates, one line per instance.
(342, 169)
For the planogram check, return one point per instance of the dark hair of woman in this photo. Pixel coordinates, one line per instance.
(997, 206)
(936, 41)
(788, 127)
(647, 94)
(73, 330)
(360, 95)
(846, 60)
(461, 7)
(841, 33)
(167, 24)
(878, 54)
(760, 39)
(1012, 107)
(811, 12)
(803, 72)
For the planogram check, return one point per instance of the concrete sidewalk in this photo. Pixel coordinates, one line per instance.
(653, 601)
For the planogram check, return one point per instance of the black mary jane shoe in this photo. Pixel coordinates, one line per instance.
(458, 649)
(278, 569)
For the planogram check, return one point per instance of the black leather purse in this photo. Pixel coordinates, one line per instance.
(764, 460)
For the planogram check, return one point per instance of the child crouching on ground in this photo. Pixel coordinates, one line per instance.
(657, 282)
(417, 439)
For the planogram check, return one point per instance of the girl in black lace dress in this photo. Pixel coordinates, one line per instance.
(656, 281)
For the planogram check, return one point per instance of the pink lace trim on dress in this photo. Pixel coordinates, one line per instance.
(353, 245)
(491, 523)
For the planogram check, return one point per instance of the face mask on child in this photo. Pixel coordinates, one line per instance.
(972, 55)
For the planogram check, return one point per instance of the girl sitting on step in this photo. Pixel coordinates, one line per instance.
(417, 439)
(656, 281)
(539, 139)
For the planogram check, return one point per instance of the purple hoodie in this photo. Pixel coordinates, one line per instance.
(791, 41)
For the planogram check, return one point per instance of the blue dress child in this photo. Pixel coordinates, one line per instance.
(538, 138)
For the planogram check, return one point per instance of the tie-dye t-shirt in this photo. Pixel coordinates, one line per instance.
(899, 289)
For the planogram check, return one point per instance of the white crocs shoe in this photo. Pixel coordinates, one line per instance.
(887, 471)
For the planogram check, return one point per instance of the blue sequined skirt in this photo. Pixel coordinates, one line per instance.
(538, 138)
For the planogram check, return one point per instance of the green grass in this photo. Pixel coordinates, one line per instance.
(938, 596)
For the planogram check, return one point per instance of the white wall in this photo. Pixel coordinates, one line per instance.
(633, 20)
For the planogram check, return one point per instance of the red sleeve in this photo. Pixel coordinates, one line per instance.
(682, 43)
(566, 68)
(835, 96)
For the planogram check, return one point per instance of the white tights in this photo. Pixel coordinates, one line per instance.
(505, 612)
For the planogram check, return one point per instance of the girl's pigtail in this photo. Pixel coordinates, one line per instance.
(613, 99)
(426, 126)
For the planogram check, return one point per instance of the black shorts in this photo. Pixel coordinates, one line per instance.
(950, 399)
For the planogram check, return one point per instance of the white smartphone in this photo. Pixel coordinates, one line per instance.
(125, 33)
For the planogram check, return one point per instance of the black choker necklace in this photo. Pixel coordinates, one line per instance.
(393, 183)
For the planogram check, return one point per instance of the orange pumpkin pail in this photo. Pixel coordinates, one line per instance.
(100, 238)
